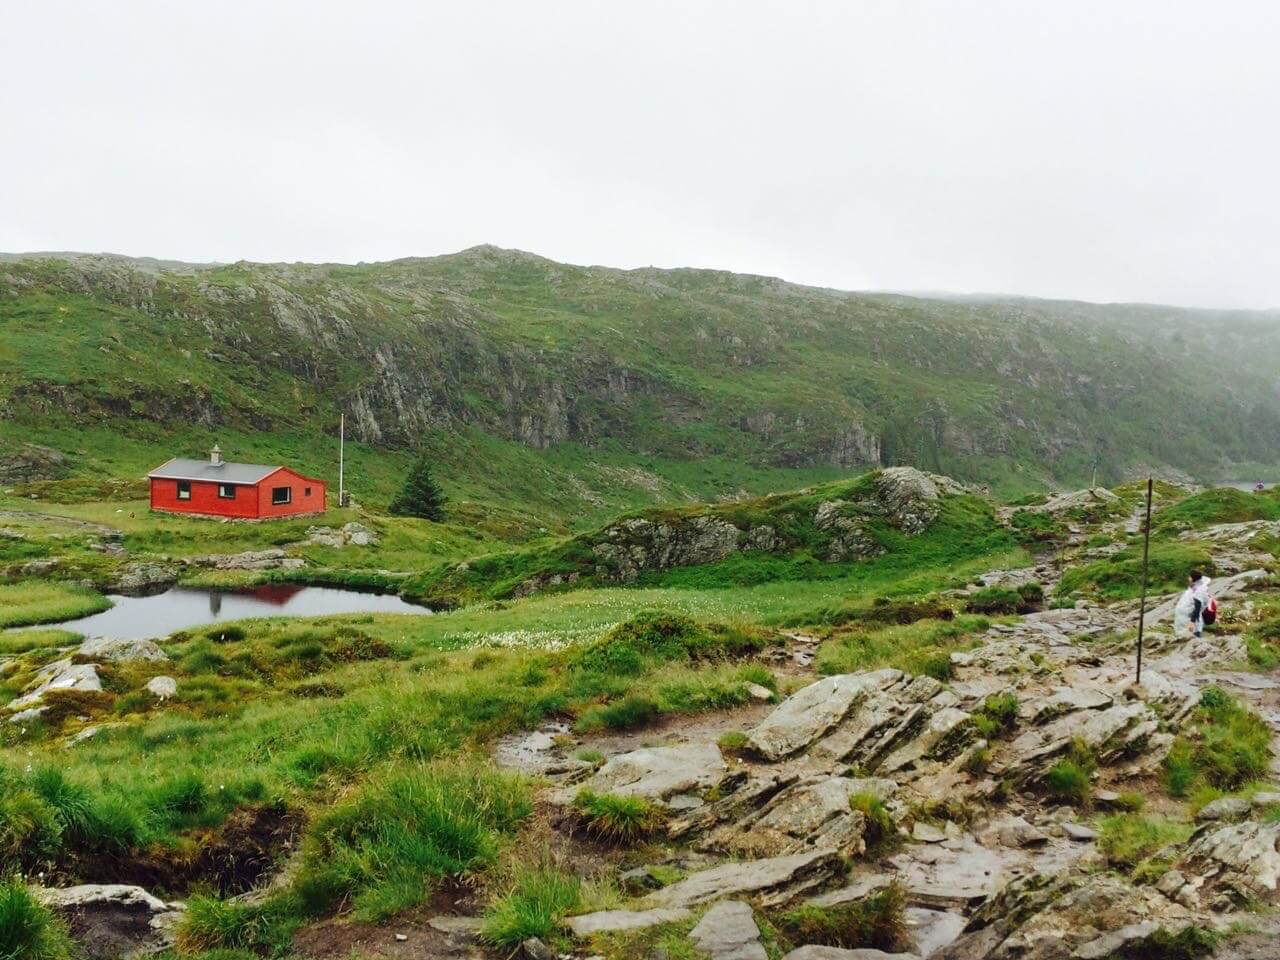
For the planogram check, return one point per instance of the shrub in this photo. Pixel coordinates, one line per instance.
(615, 818)
(878, 921)
(646, 638)
(538, 898)
(386, 847)
(28, 929)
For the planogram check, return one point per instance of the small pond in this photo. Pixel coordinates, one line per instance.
(182, 608)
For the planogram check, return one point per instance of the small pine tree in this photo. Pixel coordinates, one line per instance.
(420, 496)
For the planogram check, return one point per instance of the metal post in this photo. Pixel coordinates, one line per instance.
(342, 459)
(1146, 552)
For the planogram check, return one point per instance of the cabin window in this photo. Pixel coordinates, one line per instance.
(307, 492)
(227, 491)
(184, 489)
(281, 495)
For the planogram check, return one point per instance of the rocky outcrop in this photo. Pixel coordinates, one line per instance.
(59, 675)
(770, 882)
(660, 773)
(351, 534)
(111, 921)
(271, 559)
(142, 578)
(121, 650)
(30, 462)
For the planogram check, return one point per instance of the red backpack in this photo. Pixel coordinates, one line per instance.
(1210, 613)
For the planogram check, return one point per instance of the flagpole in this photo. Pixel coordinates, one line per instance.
(1142, 604)
(342, 459)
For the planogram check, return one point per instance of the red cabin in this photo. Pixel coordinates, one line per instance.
(247, 491)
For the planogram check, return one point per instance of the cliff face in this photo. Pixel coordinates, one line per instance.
(675, 363)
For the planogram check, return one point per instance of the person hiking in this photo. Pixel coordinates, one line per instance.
(1189, 611)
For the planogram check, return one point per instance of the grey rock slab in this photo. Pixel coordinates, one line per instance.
(728, 931)
(612, 921)
(1248, 853)
(535, 949)
(811, 712)
(816, 952)
(1264, 799)
(927, 833)
(859, 889)
(931, 930)
(1224, 808)
(661, 772)
(772, 881)
(121, 650)
(467, 928)
(1109, 943)
(1079, 832)
(60, 675)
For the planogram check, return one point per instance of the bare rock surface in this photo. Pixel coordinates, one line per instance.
(613, 921)
(770, 882)
(660, 772)
(59, 675)
(728, 931)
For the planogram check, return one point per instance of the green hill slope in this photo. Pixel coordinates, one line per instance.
(580, 390)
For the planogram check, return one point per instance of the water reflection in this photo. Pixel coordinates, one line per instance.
(182, 608)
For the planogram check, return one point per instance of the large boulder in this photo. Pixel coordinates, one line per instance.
(1239, 860)
(141, 578)
(815, 710)
(121, 650)
(660, 773)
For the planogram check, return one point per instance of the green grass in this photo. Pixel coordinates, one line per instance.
(877, 922)
(997, 716)
(880, 834)
(1219, 505)
(1126, 839)
(1070, 779)
(533, 904)
(921, 647)
(32, 602)
(617, 819)
(1119, 576)
(28, 929)
(1226, 746)
(1189, 943)
(383, 849)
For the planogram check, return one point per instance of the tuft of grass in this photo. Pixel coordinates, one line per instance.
(997, 716)
(536, 901)
(1126, 839)
(225, 926)
(879, 833)
(28, 929)
(384, 849)
(1227, 746)
(732, 742)
(878, 922)
(633, 711)
(1069, 779)
(617, 819)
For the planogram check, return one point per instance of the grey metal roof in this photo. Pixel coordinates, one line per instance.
(180, 468)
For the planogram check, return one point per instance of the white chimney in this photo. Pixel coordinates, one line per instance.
(215, 456)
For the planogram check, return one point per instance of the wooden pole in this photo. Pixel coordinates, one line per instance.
(1146, 552)
(342, 459)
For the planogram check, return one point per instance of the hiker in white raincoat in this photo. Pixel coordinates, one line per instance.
(1188, 613)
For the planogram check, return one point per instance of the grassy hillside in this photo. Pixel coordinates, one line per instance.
(572, 392)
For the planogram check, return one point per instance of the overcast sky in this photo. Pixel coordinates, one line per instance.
(1117, 150)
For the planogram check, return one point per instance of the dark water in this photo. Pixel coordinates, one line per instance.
(182, 607)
